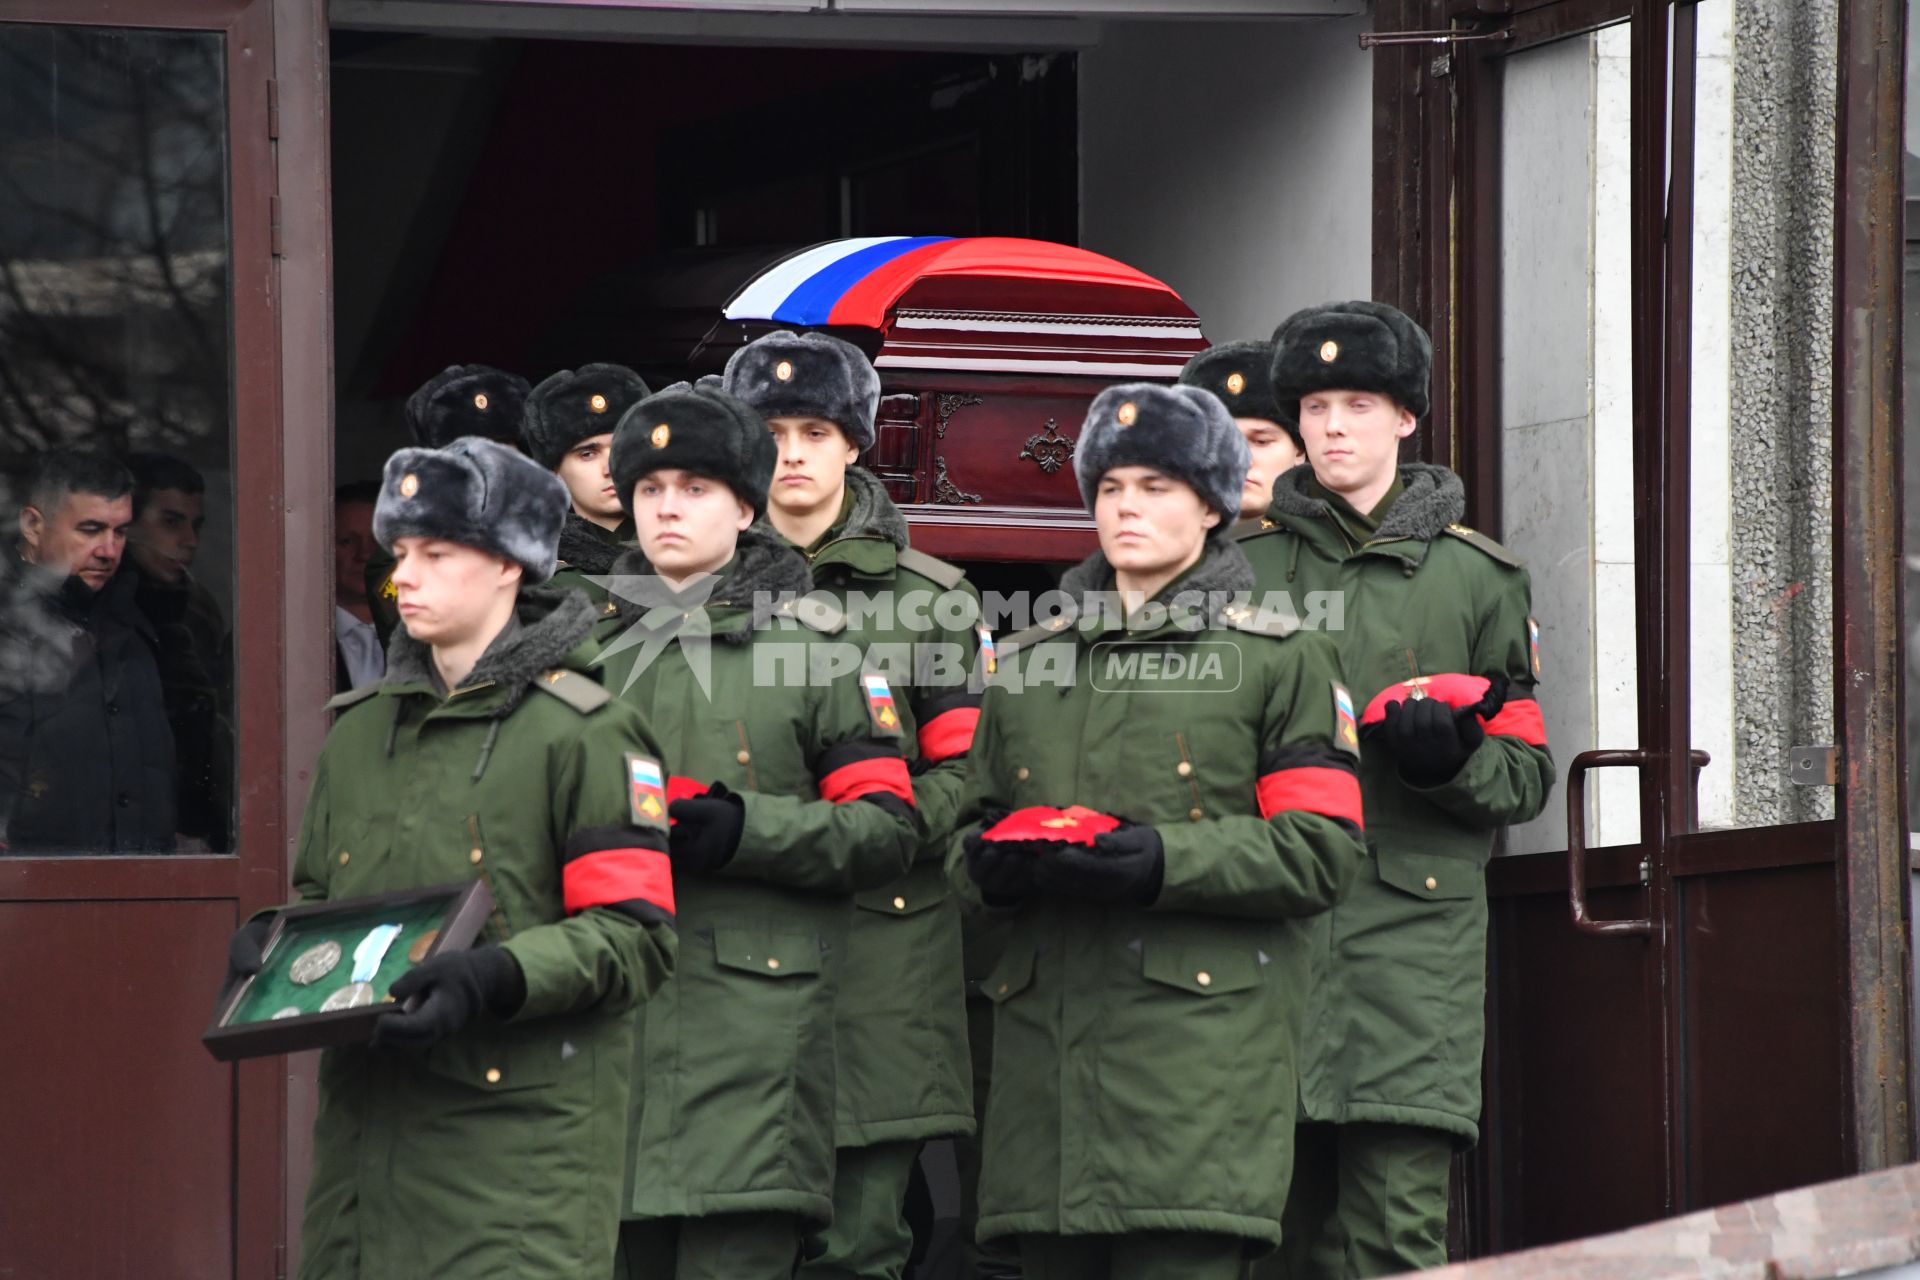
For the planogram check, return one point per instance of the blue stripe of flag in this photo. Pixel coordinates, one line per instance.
(811, 301)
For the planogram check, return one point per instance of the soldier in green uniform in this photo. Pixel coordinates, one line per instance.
(900, 1021)
(472, 1136)
(1145, 1032)
(1391, 1083)
(791, 795)
(460, 400)
(568, 429)
(1241, 374)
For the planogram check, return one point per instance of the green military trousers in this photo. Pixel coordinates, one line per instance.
(726, 1246)
(869, 1238)
(1146, 1255)
(1366, 1200)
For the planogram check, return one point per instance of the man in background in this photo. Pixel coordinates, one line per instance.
(86, 756)
(193, 644)
(360, 659)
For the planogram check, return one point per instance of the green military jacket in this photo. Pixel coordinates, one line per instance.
(1144, 1058)
(491, 1153)
(588, 551)
(734, 1075)
(1398, 1012)
(901, 1021)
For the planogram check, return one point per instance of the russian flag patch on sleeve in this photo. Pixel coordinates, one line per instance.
(880, 708)
(646, 792)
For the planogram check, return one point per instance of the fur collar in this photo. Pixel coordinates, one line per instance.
(552, 621)
(765, 566)
(1432, 498)
(1223, 570)
(586, 546)
(872, 514)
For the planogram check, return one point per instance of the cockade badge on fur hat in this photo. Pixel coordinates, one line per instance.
(1241, 374)
(573, 404)
(1180, 431)
(709, 433)
(808, 375)
(477, 493)
(467, 400)
(1351, 346)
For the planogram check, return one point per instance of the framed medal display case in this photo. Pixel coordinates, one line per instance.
(328, 967)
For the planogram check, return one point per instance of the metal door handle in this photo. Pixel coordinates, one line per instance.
(1577, 841)
(1577, 834)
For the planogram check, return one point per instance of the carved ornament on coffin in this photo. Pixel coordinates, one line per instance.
(1049, 450)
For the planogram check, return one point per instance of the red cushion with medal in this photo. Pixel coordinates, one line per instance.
(679, 788)
(1075, 824)
(1453, 689)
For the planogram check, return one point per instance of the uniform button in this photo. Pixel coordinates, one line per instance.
(1196, 813)
(899, 904)
(126, 801)
(1022, 773)
(113, 708)
(344, 855)
(1432, 883)
(773, 962)
(1003, 988)
(474, 855)
(1204, 978)
(1184, 769)
(742, 756)
(493, 1075)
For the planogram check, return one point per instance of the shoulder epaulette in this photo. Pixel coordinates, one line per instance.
(1026, 639)
(817, 612)
(583, 693)
(341, 701)
(1485, 545)
(1259, 622)
(1252, 527)
(939, 572)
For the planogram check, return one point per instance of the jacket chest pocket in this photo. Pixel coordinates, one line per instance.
(1429, 876)
(1201, 970)
(1014, 972)
(773, 956)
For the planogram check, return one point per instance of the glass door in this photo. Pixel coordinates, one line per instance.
(141, 766)
(1645, 403)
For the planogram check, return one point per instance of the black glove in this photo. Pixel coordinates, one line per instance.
(1003, 872)
(454, 989)
(1125, 865)
(245, 954)
(706, 830)
(920, 765)
(1430, 739)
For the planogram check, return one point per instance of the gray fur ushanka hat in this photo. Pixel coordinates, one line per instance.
(1180, 431)
(573, 404)
(709, 433)
(808, 375)
(477, 493)
(1351, 346)
(467, 400)
(1241, 374)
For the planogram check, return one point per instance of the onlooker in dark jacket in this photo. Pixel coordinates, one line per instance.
(359, 652)
(196, 666)
(86, 757)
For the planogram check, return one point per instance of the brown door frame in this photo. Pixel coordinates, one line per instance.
(255, 875)
(1435, 255)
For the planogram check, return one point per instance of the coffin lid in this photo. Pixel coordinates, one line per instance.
(973, 304)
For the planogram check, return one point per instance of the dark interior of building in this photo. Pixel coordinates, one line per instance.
(543, 204)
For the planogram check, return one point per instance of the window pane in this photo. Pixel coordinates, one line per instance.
(1566, 402)
(1762, 407)
(116, 671)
